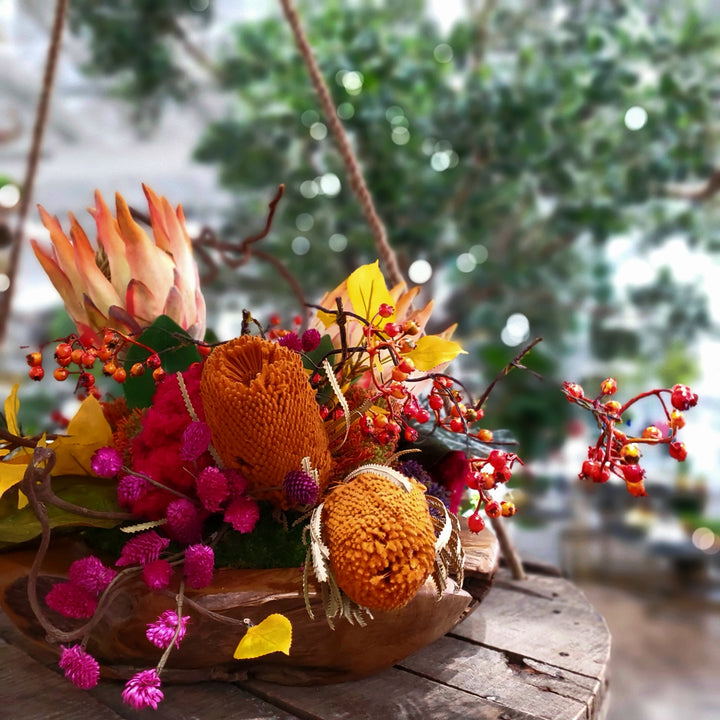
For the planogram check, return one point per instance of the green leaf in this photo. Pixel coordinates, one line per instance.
(17, 526)
(177, 351)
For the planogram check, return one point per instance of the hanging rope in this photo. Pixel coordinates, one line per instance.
(357, 181)
(41, 116)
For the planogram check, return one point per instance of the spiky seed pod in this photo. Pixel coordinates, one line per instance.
(263, 414)
(380, 537)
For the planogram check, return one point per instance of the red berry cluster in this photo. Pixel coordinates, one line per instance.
(74, 357)
(617, 453)
(485, 475)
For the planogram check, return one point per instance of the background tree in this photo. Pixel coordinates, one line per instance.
(505, 152)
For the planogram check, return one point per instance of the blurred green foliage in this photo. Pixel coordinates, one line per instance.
(503, 142)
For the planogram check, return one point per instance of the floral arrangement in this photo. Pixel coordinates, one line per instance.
(340, 444)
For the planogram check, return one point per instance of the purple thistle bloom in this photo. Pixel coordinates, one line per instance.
(291, 341)
(90, 574)
(310, 340)
(184, 523)
(156, 574)
(199, 563)
(143, 690)
(212, 488)
(161, 632)
(71, 600)
(142, 549)
(242, 514)
(80, 667)
(300, 488)
(106, 462)
(195, 440)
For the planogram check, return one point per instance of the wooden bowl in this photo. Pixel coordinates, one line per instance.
(319, 654)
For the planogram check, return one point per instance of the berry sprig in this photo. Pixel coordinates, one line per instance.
(74, 357)
(615, 451)
(485, 475)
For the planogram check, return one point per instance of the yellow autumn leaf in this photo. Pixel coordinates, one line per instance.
(273, 634)
(87, 431)
(367, 290)
(10, 474)
(432, 350)
(12, 405)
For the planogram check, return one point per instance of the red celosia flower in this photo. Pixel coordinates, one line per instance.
(143, 690)
(71, 600)
(156, 574)
(89, 573)
(80, 667)
(199, 563)
(142, 549)
(161, 632)
(242, 514)
(184, 523)
(212, 488)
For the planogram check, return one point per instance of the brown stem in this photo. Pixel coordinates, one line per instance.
(357, 181)
(41, 116)
(508, 550)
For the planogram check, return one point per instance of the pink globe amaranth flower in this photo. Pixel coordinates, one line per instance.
(237, 483)
(157, 574)
(142, 549)
(80, 667)
(161, 632)
(184, 523)
(71, 600)
(212, 488)
(300, 488)
(310, 340)
(242, 514)
(291, 341)
(130, 489)
(142, 279)
(195, 440)
(106, 462)
(142, 690)
(199, 564)
(89, 573)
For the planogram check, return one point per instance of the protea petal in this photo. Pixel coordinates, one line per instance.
(62, 284)
(142, 303)
(157, 219)
(174, 307)
(96, 318)
(112, 243)
(123, 321)
(95, 283)
(149, 265)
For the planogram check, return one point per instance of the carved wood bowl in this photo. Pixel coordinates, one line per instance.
(319, 655)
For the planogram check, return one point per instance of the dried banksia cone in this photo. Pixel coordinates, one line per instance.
(263, 415)
(378, 530)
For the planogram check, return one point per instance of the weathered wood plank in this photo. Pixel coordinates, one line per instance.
(392, 695)
(545, 619)
(197, 701)
(538, 689)
(30, 690)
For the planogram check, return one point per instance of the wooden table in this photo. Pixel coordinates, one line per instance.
(532, 649)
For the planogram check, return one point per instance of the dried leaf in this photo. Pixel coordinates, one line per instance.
(273, 634)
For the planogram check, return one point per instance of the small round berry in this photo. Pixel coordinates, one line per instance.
(36, 373)
(612, 406)
(60, 374)
(678, 451)
(104, 353)
(474, 480)
(475, 523)
(120, 375)
(458, 410)
(380, 421)
(158, 374)
(484, 435)
(325, 411)
(63, 361)
(457, 425)
(493, 509)
(410, 434)
(392, 329)
(677, 420)
(204, 350)
(153, 361)
(385, 310)
(633, 473)
(682, 397)
(508, 508)
(410, 327)
(488, 481)
(407, 365)
(498, 459)
(77, 355)
(652, 433)
(630, 453)
(137, 369)
(34, 359)
(573, 391)
(110, 338)
(109, 368)
(435, 401)
(275, 319)
(471, 415)
(422, 415)
(63, 350)
(86, 380)
(398, 375)
(609, 386)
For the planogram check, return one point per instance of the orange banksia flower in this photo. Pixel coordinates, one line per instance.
(380, 537)
(263, 414)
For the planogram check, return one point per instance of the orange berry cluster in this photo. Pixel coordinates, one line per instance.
(74, 357)
(485, 475)
(617, 453)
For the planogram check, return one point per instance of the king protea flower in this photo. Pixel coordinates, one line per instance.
(130, 279)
